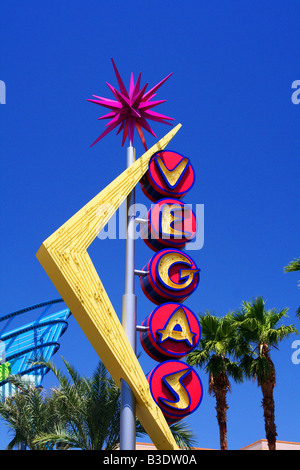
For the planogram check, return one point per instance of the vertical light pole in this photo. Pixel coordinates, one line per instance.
(127, 418)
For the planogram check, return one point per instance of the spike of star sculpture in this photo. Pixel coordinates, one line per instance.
(131, 109)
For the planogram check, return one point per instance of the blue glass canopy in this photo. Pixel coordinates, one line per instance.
(22, 346)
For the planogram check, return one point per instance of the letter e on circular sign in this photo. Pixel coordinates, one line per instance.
(171, 223)
(169, 175)
(173, 331)
(176, 388)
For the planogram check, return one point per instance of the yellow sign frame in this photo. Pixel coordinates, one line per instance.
(65, 259)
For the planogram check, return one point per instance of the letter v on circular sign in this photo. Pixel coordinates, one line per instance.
(169, 175)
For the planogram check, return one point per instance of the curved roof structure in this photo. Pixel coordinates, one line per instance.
(29, 342)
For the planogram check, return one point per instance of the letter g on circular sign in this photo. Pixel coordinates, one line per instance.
(176, 388)
(171, 275)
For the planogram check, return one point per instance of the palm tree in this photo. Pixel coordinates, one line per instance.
(88, 411)
(291, 267)
(258, 327)
(27, 413)
(217, 345)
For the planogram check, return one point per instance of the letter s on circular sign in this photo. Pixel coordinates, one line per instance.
(176, 388)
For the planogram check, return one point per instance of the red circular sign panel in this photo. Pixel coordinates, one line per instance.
(176, 388)
(172, 275)
(169, 175)
(173, 331)
(171, 223)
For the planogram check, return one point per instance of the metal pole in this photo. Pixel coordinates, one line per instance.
(128, 405)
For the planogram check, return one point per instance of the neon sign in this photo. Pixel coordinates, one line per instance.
(171, 275)
(172, 330)
(65, 258)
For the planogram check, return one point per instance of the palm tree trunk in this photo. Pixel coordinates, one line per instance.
(219, 385)
(268, 403)
(269, 413)
(221, 409)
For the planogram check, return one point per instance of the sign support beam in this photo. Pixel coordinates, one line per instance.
(65, 259)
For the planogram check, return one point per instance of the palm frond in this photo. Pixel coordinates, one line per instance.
(293, 265)
(183, 435)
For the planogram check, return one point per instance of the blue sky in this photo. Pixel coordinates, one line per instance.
(233, 65)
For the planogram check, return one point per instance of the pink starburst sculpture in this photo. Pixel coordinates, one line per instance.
(131, 109)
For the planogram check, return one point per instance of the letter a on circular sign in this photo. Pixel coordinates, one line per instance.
(172, 275)
(176, 388)
(173, 331)
(171, 223)
(169, 175)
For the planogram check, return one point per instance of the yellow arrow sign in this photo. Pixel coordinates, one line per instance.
(65, 259)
